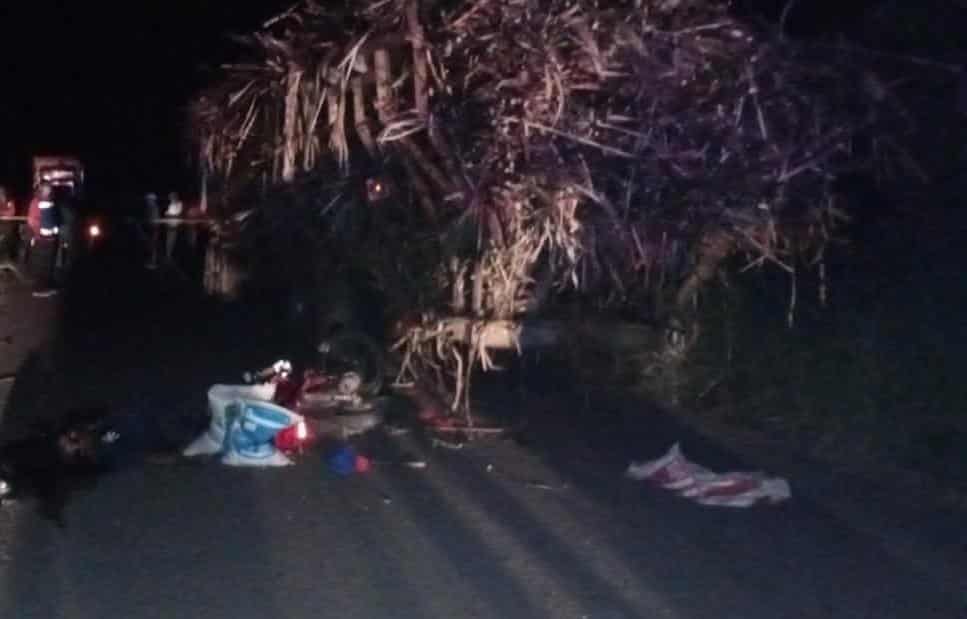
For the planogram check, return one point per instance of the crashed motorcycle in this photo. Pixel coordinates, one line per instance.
(339, 398)
(277, 413)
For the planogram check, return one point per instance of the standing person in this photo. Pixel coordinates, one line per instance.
(151, 215)
(7, 208)
(9, 233)
(175, 209)
(66, 208)
(44, 224)
(194, 213)
(8, 229)
(197, 230)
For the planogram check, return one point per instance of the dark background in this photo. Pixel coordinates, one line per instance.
(109, 81)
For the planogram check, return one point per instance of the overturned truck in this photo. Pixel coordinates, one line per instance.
(531, 153)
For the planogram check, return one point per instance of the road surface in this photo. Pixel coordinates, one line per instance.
(543, 527)
(28, 329)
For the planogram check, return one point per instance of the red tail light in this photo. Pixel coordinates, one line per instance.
(293, 438)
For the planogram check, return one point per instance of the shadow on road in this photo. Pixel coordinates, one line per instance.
(751, 561)
(471, 551)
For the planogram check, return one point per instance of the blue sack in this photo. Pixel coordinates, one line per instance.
(250, 434)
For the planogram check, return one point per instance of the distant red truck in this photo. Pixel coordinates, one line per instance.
(60, 171)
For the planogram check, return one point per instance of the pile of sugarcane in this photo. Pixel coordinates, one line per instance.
(621, 150)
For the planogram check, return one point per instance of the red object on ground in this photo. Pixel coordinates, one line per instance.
(287, 392)
(290, 390)
(363, 464)
(431, 410)
(293, 438)
(675, 472)
(313, 380)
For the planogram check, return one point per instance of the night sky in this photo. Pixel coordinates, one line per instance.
(110, 83)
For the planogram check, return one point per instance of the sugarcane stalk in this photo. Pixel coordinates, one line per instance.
(432, 171)
(421, 189)
(477, 291)
(360, 120)
(384, 88)
(385, 105)
(421, 97)
(458, 275)
(289, 137)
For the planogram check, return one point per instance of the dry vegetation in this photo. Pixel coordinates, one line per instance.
(613, 151)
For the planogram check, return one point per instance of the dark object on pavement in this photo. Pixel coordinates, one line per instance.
(55, 461)
(47, 467)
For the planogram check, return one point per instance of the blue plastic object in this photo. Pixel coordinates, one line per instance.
(342, 460)
(250, 434)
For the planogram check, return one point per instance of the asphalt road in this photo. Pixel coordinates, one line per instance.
(470, 536)
(27, 326)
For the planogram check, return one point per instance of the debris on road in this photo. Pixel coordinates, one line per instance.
(250, 438)
(262, 424)
(457, 428)
(675, 472)
(343, 460)
(439, 424)
(244, 424)
(220, 398)
(439, 442)
(283, 413)
(528, 483)
(395, 430)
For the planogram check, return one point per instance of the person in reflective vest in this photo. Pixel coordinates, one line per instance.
(65, 203)
(151, 215)
(175, 210)
(44, 222)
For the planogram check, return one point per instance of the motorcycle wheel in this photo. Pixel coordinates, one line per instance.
(356, 352)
